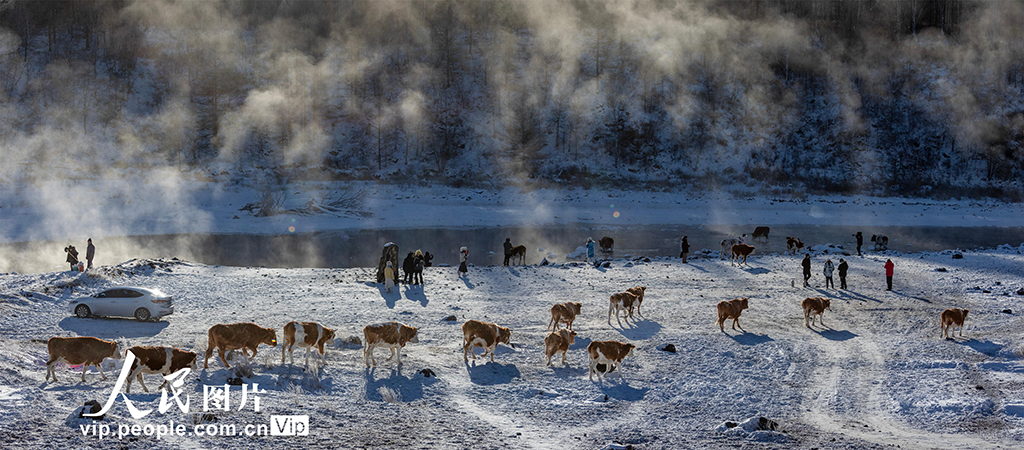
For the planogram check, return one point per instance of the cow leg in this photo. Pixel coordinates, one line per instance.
(220, 351)
(553, 321)
(84, 366)
(142, 381)
(282, 352)
(611, 307)
(398, 354)
(564, 362)
(323, 355)
(51, 369)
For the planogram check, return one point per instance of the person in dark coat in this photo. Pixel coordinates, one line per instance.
(684, 248)
(807, 269)
(417, 268)
(508, 249)
(860, 241)
(408, 268)
(90, 251)
(463, 262)
(72, 256)
(843, 268)
(889, 268)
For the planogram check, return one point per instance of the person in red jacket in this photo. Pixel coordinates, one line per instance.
(888, 273)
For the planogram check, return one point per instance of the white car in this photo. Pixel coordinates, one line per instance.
(141, 303)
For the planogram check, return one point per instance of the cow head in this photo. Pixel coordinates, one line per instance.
(407, 334)
(270, 337)
(504, 335)
(575, 307)
(568, 335)
(629, 349)
(826, 304)
(964, 317)
(743, 303)
(328, 335)
(116, 352)
(192, 358)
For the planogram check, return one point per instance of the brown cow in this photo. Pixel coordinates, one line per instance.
(606, 244)
(161, 360)
(609, 353)
(794, 245)
(483, 334)
(558, 341)
(743, 250)
(731, 309)
(638, 291)
(760, 232)
(244, 336)
(519, 251)
(564, 312)
(815, 306)
(306, 335)
(950, 318)
(87, 351)
(621, 301)
(392, 336)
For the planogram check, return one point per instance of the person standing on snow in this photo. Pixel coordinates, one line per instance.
(90, 251)
(860, 241)
(463, 260)
(889, 268)
(590, 249)
(417, 268)
(807, 268)
(389, 277)
(828, 274)
(843, 268)
(407, 268)
(684, 248)
(508, 249)
(72, 256)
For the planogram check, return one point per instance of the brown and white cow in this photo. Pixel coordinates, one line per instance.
(741, 250)
(518, 252)
(564, 312)
(558, 341)
(243, 336)
(483, 334)
(794, 244)
(306, 335)
(392, 336)
(731, 309)
(622, 301)
(609, 353)
(87, 351)
(950, 318)
(638, 291)
(815, 306)
(161, 360)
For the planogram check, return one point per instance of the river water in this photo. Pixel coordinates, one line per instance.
(361, 248)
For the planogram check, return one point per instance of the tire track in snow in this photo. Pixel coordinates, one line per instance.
(858, 363)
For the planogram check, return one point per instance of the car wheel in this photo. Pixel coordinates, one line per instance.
(82, 311)
(142, 314)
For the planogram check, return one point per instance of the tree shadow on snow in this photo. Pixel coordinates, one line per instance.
(491, 373)
(112, 328)
(748, 338)
(408, 388)
(415, 293)
(638, 329)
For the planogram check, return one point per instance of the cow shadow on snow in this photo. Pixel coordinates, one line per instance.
(621, 391)
(748, 338)
(834, 335)
(491, 373)
(985, 347)
(755, 270)
(112, 328)
(408, 388)
(638, 329)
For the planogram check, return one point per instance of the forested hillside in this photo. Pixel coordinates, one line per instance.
(915, 97)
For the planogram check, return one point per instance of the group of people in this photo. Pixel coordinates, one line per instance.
(72, 259)
(844, 268)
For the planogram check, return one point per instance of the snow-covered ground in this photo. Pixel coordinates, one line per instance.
(877, 375)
